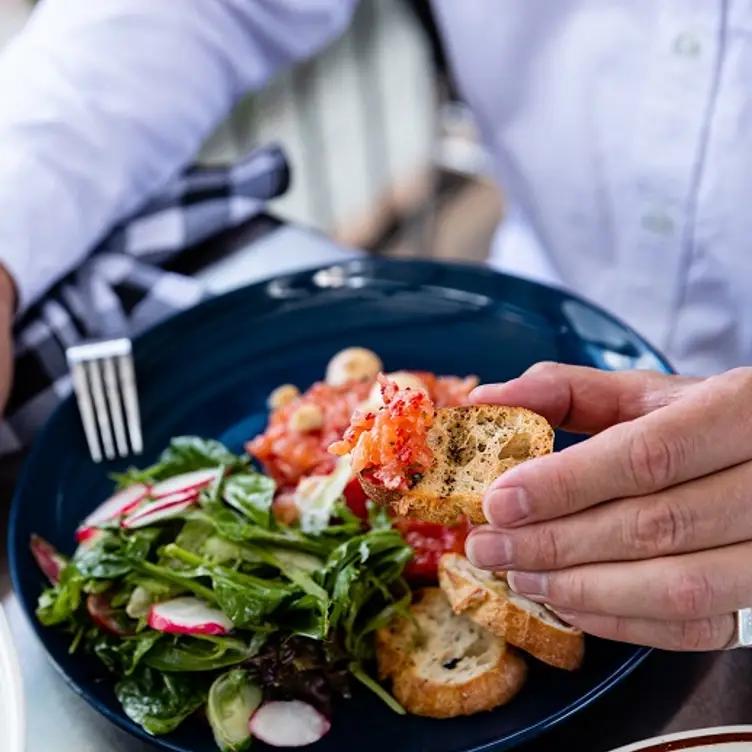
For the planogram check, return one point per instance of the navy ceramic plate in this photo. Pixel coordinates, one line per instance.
(208, 371)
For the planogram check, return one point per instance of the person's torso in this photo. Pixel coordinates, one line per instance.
(622, 135)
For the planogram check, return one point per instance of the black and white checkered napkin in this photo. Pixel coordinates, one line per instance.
(121, 289)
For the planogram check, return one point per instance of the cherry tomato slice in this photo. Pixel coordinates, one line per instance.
(430, 541)
(356, 499)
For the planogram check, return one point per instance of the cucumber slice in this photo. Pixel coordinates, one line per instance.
(233, 698)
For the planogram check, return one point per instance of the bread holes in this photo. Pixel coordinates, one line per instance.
(472, 446)
(517, 448)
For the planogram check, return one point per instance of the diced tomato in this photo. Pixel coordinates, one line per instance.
(356, 499)
(430, 541)
(447, 391)
(289, 455)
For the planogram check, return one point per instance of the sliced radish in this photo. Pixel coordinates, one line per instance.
(120, 504)
(47, 557)
(194, 481)
(290, 723)
(188, 615)
(160, 509)
(104, 616)
(86, 534)
(93, 534)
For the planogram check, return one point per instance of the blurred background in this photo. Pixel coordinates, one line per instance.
(384, 154)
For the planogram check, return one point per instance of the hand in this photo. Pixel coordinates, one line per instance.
(7, 311)
(643, 532)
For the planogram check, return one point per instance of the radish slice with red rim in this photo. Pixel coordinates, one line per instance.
(161, 509)
(188, 615)
(119, 504)
(288, 723)
(47, 557)
(193, 481)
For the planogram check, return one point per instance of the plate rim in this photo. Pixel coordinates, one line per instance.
(371, 265)
(657, 743)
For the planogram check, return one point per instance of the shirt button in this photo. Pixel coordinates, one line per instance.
(657, 222)
(687, 45)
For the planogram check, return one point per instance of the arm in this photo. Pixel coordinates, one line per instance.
(103, 101)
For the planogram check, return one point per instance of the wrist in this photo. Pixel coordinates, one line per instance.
(8, 293)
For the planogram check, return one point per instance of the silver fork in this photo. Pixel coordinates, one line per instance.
(105, 384)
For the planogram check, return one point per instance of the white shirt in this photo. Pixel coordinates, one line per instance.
(621, 132)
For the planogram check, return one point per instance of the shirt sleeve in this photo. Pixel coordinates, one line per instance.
(102, 102)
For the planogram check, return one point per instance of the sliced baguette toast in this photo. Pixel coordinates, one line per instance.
(486, 598)
(472, 445)
(442, 665)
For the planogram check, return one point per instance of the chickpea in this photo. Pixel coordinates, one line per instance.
(353, 364)
(403, 379)
(307, 417)
(282, 395)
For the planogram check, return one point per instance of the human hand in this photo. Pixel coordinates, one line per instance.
(643, 532)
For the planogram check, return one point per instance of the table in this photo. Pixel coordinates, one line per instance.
(668, 692)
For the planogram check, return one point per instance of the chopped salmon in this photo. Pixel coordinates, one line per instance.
(390, 446)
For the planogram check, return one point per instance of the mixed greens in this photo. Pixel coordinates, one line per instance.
(205, 601)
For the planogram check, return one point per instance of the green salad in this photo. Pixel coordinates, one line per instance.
(194, 598)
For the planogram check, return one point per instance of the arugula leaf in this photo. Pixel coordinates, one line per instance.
(357, 671)
(247, 604)
(251, 494)
(159, 702)
(246, 599)
(231, 525)
(59, 603)
(184, 453)
(294, 565)
(123, 654)
(181, 581)
(198, 653)
(194, 534)
(105, 558)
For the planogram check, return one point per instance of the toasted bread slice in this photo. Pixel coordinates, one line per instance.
(486, 598)
(472, 445)
(442, 665)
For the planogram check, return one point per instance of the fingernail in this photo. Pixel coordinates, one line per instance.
(563, 614)
(528, 583)
(506, 506)
(484, 391)
(489, 550)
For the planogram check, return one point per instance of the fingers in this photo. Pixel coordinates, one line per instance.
(685, 587)
(708, 429)
(713, 633)
(583, 399)
(705, 513)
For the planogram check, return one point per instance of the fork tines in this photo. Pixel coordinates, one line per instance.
(105, 384)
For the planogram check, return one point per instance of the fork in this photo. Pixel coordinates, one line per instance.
(104, 381)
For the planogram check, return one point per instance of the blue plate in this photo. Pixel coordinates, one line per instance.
(208, 371)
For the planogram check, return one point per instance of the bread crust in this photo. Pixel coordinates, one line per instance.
(492, 439)
(488, 602)
(401, 659)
